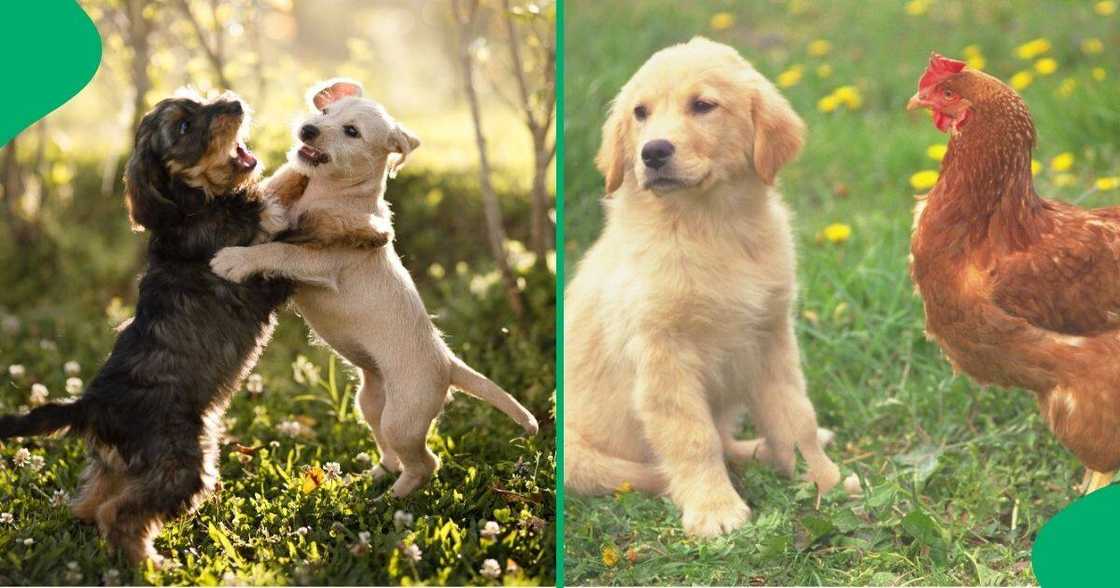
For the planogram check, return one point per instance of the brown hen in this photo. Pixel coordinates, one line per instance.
(1018, 290)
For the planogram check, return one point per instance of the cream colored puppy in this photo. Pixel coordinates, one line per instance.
(360, 299)
(679, 318)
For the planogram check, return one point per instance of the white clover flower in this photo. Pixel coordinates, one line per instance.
(48, 345)
(305, 372)
(490, 568)
(16, 371)
(332, 469)
(254, 384)
(243, 458)
(402, 518)
(21, 457)
(36, 463)
(291, 428)
(72, 368)
(362, 458)
(490, 530)
(29, 542)
(38, 395)
(302, 531)
(362, 546)
(411, 551)
(363, 537)
(111, 577)
(6, 518)
(60, 497)
(72, 565)
(73, 386)
(230, 579)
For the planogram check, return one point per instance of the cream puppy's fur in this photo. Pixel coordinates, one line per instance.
(361, 300)
(679, 319)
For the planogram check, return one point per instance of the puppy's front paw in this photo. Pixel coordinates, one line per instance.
(232, 263)
(716, 517)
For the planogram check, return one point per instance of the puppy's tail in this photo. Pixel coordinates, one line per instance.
(590, 471)
(465, 378)
(40, 421)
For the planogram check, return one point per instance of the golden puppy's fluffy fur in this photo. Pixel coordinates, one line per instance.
(679, 319)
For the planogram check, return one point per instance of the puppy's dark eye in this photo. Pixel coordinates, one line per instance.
(700, 106)
(640, 112)
(351, 131)
(324, 111)
(184, 127)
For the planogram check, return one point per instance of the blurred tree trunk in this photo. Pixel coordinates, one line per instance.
(214, 54)
(139, 36)
(539, 125)
(465, 13)
(11, 178)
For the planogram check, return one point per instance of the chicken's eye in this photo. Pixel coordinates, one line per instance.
(640, 112)
(700, 106)
(948, 93)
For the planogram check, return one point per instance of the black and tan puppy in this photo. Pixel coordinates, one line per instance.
(152, 415)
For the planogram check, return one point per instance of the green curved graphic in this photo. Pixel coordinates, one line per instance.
(1078, 546)
(51, 51)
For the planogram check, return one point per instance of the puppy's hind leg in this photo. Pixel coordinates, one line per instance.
(405, 422)
(371, 403)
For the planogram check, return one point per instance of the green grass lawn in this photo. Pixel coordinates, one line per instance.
(296, 506)
(958, 479)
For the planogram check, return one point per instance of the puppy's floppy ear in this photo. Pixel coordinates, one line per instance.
(323, 94)
(778, 132)
(146, 179)
(613, 156)
(401, 141)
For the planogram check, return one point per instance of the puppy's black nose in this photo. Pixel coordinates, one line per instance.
(656, 153)
(308, 132)
(233, 107)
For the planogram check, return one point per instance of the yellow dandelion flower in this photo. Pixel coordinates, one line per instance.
(1104, 8)
(790, 77)
(824, 71)
(1035, 167)
(1032, 48)
(1099, 74)
(837, 233)
(1063, 180)
(1092, 46)
(819, 48)
(624, 488)
(849, 96)
(1046, 66)
(971, 50)
(937, 151)
(610, 556)
(924, 179)
(917, 7)
(1066, 88)
(828, 103)
(1108, 183)
(1021, 80)
(1062, 161)
(976, 61)
(722, 21)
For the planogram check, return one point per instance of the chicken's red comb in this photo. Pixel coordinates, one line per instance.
(940, 67)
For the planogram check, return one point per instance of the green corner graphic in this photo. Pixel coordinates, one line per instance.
(52, 49)
(1077, 546)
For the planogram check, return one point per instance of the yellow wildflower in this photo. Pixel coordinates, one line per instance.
(976, 61)
(824, 70)
(1046, 66)
(610, 556)
(1066, 88)
(937, 151)
(1063, 180)
(924, 179)
(828, 103)
(850, 96)
(1092, 46)
(1104, 8)
(837, 233)
(971, 50)
(722, 21)
(819, 48)
(1062, 161)
(1021, 80)
(1032, 48)
(1035, 167)
(790, 77)
(624, 488)
(917, 7)
(1108, 183)
(1099, 74)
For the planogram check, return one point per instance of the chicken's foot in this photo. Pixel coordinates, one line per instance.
(1094, 481)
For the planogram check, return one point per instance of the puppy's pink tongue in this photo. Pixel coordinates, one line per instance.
(245, 158)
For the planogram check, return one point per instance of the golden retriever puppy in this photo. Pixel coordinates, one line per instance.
(679, 319)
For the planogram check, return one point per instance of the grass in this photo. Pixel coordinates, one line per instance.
(282, 517)
(958, 479)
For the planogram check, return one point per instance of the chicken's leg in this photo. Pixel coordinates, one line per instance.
(1095, 480)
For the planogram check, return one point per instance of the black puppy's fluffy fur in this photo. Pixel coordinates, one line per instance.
(152, 414)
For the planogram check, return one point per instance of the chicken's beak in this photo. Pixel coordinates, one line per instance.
(916, 102)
